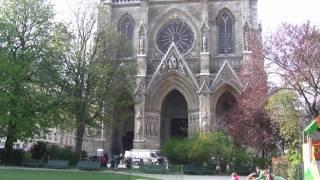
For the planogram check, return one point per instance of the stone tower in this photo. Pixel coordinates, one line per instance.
(187, 53)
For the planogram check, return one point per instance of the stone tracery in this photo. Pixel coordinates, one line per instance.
(177, 31)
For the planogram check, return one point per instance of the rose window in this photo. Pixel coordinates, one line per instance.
(175, 31)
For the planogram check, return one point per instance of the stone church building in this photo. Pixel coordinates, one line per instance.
(188, 53)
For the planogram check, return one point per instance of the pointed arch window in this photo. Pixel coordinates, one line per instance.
(226, 33)
(126, 30)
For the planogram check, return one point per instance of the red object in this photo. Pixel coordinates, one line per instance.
(318, 121)
(316, 152)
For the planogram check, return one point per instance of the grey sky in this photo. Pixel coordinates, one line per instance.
(271, 12)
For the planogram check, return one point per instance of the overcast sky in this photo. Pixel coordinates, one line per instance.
(271, 12)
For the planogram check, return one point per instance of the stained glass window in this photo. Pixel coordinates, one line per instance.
(177, 31)
(226, 34)
(126, 28)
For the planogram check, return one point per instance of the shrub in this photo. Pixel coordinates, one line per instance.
(287, 166)
(198, 148)
(176, 149)
(27, 155)
(39, 150)
(1, 155)
(45, 151)
(58, 153)
(241, 157)
(16, 157)
(261, 162)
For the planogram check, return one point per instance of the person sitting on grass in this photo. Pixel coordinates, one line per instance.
(267, 174)
(234, 176)
(257, 175)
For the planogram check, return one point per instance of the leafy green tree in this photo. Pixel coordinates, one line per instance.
(284, 108)
(91, 73)
(28, 96)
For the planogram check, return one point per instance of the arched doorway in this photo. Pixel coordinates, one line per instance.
(128, 134)
(122, 131)
(174, 116)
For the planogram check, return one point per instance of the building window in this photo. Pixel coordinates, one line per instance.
(126, 30)
(55, 136)
(226, 33)
(177, 31)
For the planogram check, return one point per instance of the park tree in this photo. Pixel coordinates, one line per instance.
(92, 75)
(284, 109)
(28, 95)
(248, 122)
(293, 54)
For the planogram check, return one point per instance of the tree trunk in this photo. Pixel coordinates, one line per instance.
(9, 143)
(80, 132)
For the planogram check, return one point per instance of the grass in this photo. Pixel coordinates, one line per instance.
(26, 174)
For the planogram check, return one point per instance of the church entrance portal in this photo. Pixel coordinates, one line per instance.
(174, 116)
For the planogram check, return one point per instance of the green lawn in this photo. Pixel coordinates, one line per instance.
(26, 174)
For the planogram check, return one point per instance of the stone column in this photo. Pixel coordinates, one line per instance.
(139, 109)
(204, 94)
(204, 64)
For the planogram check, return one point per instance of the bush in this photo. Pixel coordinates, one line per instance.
(241, 157)
(199, 148)
(27, 155)
(1, 156)
(288, 166)
(39, 150)
(55, 152)
(176, 149)
(45, 151)
(261, 162)
(16, 157)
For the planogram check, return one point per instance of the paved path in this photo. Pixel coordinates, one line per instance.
(188, 177)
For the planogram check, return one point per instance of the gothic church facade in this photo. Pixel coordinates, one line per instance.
(188, 53)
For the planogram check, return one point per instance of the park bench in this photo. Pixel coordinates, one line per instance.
(58, 164)
(32, 163)
(154, 169)
(89, 165)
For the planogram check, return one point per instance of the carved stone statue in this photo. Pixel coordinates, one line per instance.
(246, 36)
(139, 125)
(204, 42)
(163, 67)
(181, 68)
(204, 121)
(173, 62)
(141, 43)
